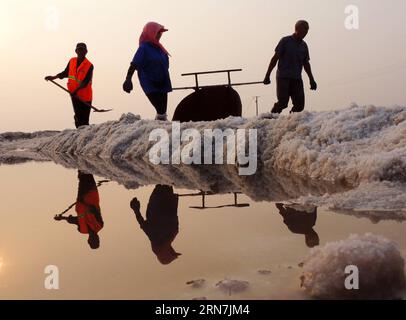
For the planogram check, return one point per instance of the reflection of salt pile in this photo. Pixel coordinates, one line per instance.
(380, 265)
(376, 200)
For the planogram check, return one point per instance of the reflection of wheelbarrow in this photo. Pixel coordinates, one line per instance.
(211, 102)
(204, 194)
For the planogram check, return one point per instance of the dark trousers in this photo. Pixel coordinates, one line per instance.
(289, 88)
(82, 112)
(159, 100)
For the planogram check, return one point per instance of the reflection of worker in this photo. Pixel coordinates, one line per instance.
(301, 221)
(161, 224)
(152, 64)
(80, 73)
(88, 220)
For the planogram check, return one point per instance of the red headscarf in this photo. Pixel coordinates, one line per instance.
(150, 32)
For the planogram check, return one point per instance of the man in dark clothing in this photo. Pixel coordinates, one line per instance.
(80, 73)
(293, 55)
(161, 224)
(301, 222)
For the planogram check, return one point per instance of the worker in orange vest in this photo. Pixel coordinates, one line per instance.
(89, 219)
(79, 72)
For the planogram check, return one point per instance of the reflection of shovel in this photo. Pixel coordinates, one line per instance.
(100, 183)
(67, 210)
(59, 216)
(89, 105)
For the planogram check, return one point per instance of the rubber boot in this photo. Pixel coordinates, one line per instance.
(161, 117)
(277, 108)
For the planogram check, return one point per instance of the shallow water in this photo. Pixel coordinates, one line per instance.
(216, 244)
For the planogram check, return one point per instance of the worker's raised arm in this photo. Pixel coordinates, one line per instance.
(64, 74)
(138, 60)
(128, 85)
(279, 53)
(272, 66)
(136, 206)
(307, 67)
(131, 71)
(88, 78)
(73, 220)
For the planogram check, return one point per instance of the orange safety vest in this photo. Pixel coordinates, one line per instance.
(86, 218)
(76, 76)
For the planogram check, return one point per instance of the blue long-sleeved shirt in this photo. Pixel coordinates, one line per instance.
(152, 65)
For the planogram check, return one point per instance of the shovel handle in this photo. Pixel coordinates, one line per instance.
(77, 98)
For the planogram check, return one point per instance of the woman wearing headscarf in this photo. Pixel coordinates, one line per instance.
(152, 64)
(161, 224)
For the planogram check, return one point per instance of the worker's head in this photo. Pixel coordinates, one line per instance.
(160, 33)
(152, 32)
(312, 239)
(93, 241)
(165, 253)
(301, 29)
(81, 50)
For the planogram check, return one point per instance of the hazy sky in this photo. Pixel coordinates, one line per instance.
(366, 66)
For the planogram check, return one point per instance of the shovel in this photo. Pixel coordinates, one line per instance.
(60, 216)
(89, 105)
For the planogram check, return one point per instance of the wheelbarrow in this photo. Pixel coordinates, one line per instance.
(210, 102)
(204, 194)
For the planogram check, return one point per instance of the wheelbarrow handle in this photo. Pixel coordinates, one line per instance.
(220, 85)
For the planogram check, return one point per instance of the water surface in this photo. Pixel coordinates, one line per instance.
(241, 242)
